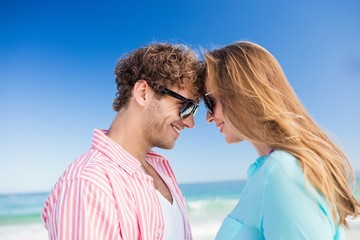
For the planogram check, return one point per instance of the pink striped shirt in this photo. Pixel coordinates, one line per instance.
(105, 194)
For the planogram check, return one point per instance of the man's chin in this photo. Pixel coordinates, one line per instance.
(166, 146)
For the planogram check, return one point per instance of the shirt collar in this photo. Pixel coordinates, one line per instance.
(256, 165)
(120, 156)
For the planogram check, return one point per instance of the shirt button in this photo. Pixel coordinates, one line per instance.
(159, 232)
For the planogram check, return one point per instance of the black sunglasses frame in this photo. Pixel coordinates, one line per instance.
(209, 103)
(185, 102)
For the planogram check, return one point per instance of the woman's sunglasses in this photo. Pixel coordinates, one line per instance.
(209, 103)
(188, 106)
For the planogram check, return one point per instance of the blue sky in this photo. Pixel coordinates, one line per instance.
(57, 83)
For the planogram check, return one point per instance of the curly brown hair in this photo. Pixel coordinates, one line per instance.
(160, 65)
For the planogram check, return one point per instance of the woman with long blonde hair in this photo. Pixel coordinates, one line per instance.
(302, 185)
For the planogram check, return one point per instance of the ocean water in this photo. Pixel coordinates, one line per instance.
(207, 203)
(21, 208)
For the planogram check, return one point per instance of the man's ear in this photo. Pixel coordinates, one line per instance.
(141, 92)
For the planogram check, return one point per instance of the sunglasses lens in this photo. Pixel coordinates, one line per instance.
(188, 109)
(209, 104)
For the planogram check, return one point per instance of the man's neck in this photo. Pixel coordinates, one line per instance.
(126, 132)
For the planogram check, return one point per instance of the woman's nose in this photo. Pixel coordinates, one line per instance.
(209, 117)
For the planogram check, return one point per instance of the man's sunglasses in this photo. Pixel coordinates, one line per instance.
(209, 103)
(188, 106)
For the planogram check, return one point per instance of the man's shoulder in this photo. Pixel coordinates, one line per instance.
(89, 163)
(90, 169)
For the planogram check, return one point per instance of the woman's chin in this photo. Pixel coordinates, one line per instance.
(232, 140)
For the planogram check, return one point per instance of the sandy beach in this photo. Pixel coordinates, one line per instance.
(36, 231)
(354, 230)
(31, 231)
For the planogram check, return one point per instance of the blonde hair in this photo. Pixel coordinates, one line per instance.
(261, 105)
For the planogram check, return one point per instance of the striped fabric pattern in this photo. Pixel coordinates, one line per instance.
(105, 194)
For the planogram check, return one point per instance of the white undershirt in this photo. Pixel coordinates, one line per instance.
(173, 221)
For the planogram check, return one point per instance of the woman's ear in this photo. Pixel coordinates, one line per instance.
(141, 92)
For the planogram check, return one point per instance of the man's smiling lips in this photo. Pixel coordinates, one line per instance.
(177, 129)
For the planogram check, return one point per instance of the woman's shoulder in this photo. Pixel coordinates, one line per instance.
(281, 156)
(281, 159)
(282, 165)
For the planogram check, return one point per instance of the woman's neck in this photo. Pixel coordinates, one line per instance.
(262, 149)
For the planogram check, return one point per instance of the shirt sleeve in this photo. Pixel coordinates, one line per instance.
(83, 211)
(291, 210)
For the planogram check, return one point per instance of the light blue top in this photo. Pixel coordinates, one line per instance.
(278, 203)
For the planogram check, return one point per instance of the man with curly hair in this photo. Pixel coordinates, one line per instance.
(120, 188)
